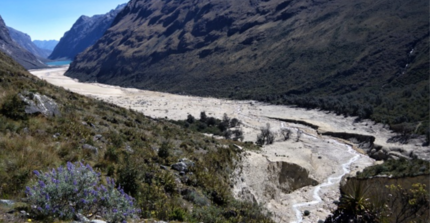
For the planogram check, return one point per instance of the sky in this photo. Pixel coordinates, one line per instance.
(50, 19)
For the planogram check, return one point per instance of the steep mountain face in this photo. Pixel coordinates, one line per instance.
(24, 40)
(11, 48)
(354, 57)
(46, 44)
(84, 33)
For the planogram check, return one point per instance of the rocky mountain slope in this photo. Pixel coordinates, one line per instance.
(84, 33)
(119, 143)
(11, 48)
(364, 58)
(46, 44)
(24, 40)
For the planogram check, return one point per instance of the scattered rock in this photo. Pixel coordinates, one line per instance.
(81, 218)
(91, 148)
(97, 137)
(7, 202)
(129, 149)
(40, 104)
(183, 165)
(180, 166)
(97, 221)
(23, 213)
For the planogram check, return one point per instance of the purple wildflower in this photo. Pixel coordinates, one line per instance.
(70, 166)
(42, 184)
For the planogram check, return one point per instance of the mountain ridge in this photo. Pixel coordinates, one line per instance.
(333, 55)
(11, 48)
(24, 40)
(46, 44)
(84, 32)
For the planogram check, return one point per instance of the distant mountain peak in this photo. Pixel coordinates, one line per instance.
(24, 40)
(84, 32)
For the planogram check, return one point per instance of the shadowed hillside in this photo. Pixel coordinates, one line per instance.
(24, 40)
(364, 58)
(18, 53)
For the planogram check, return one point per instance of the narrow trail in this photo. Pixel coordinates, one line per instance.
(330, 181)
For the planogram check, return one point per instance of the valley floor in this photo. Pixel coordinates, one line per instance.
(288, 177)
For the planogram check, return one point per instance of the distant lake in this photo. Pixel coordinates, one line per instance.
(59, 63)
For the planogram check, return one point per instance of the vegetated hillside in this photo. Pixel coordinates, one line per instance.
(138, 152)
(11, 48)
(365, 58)
(24, 40)
(395, 191)
(84, 33)
(46, 44)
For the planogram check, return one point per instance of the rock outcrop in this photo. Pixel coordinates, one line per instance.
(84, 33)
(19, 54)
(40, 104)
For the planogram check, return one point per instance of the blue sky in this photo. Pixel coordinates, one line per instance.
(50, 19)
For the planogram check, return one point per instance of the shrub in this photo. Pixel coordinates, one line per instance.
(203, 116)
(266, 136)
(238, 135)
(234, 123)
(191, 119)
(14, 108)
(65, 192)
(163, 152)
(286, 134)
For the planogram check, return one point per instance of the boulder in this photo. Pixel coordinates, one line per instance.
(40, 104)
(81, 218)
(97, 221)
(7, 202)
(180, 166)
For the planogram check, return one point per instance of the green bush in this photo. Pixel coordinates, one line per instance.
(163, 152)
(266, 136)
(14, 108)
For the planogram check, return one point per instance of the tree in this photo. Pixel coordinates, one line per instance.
(266, 136)
(191, 119)
(238, 135)
(286, 134)
(225, 119)
(234, 122)
(203, 116)
(163, 152)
